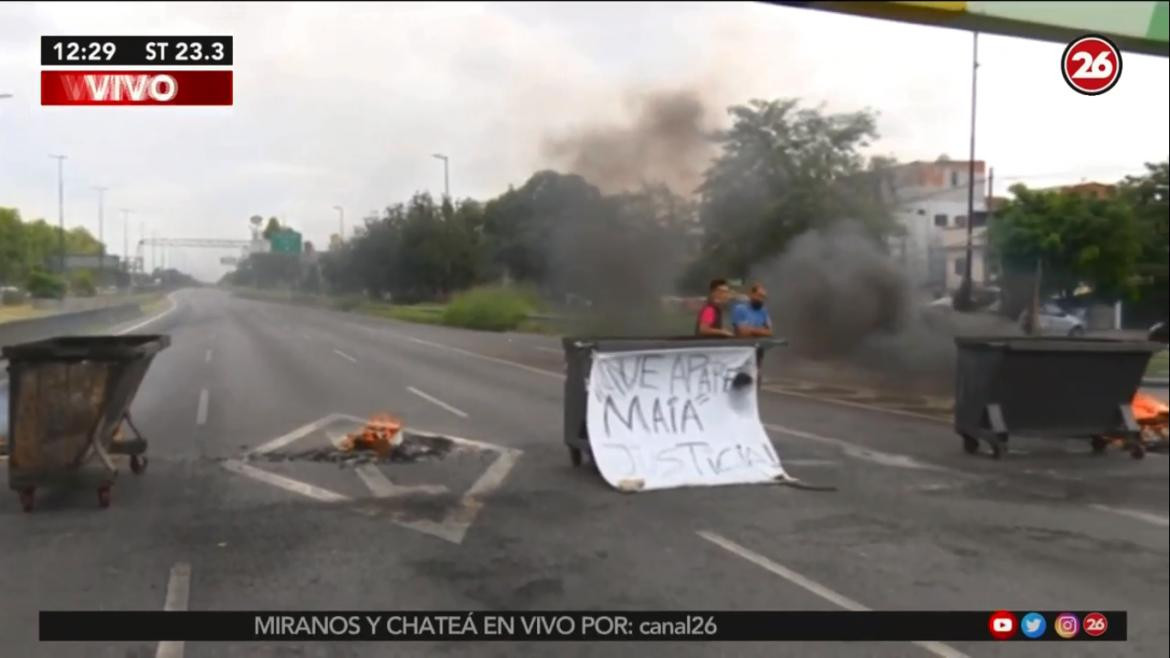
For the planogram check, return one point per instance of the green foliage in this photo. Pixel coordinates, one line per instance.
(1079, 240)
(784, 170)
(271, 228)
(81, 283)
(26, 246)
(42, 285)
(488, 308)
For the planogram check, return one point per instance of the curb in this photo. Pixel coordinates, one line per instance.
(1156, 381)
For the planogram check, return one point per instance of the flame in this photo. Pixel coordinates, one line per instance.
(377, 435)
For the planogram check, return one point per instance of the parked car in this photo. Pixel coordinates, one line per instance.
(1055, 321)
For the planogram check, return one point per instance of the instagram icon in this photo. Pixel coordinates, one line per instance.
(1066, 625)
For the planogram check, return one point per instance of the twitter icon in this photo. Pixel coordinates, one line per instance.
(1033, 625)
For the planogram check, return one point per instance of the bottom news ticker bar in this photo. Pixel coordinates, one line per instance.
(590, 626)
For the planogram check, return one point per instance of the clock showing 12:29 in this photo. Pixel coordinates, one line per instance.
(136, 51)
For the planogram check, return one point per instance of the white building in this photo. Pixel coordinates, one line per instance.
(931, 205)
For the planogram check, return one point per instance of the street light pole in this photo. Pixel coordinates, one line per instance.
(101, 233)
(341, 222)
(446, 175)
(60, 209)
(126, 239)
(963, 296)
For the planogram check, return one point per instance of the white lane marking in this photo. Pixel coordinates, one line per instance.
(840, 600)
(201, 412)
(381, 486)
(207, 356)
(288, 484)
(857, 405)
(492, 359)
(285, 439)
(810, 462)
(1139, 515)
(159, 316)
(437, 402)
(178, 594)
(867, 454)
(549, 349)
(345, 356)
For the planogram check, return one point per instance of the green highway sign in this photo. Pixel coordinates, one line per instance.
(287, 241)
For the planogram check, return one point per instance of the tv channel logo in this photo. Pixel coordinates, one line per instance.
(1095, 624)
(1002, 625)
(1033, 625)
(1066, 625)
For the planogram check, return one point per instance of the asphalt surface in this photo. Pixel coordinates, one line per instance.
(915, 524)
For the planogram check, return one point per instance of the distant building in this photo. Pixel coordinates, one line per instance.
(1090, 189)
(930, 202)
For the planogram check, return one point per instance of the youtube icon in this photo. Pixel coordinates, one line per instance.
(1002, 625)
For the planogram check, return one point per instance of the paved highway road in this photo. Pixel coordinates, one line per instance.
(916, 524)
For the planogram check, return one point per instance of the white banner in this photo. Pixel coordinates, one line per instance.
(675, 418)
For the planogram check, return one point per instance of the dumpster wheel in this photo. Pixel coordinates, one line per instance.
(104, 496)
(1099, 444)
(970, 444)
(137, 464)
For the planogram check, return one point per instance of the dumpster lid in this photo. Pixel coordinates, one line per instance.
(81, 348)
(631, 343)
(1055, 344)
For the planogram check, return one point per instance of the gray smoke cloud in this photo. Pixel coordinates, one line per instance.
(667, 141)
(836, 295)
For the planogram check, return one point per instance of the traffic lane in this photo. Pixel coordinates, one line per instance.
(70, 554)
(510, 538)
(558, 496)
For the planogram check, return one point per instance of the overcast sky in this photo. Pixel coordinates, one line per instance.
(339, 103)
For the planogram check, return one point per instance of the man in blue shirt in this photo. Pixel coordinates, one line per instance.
(751, 320)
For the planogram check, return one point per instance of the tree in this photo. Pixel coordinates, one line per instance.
(782, 171)
(1150, 197)
(272, 228)
(1077, 239)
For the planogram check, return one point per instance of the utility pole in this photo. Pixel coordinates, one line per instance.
(126, 239)
(341, 222)
(446, 175)
(963, 297)
(60, 209)
(101, 234)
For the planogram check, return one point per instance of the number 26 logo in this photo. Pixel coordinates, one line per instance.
(1091, 65)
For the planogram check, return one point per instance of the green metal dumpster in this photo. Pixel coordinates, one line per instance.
(1049, 387)
(579, 352)
(68, 398)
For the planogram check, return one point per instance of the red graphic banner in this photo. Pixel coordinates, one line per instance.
(136, 87)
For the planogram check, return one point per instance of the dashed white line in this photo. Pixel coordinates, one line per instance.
(345, 356)
(437, 402)
(840, 600)
(201, 412)
(178, 594)
(1139, 515)
(492, 359)
(207, 356)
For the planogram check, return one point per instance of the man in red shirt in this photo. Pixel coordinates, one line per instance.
(710, 320)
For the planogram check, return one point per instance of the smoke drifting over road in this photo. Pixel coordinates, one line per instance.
(837, 296)
(667, 141)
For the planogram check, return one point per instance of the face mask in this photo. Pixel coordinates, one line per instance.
(757, 304)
